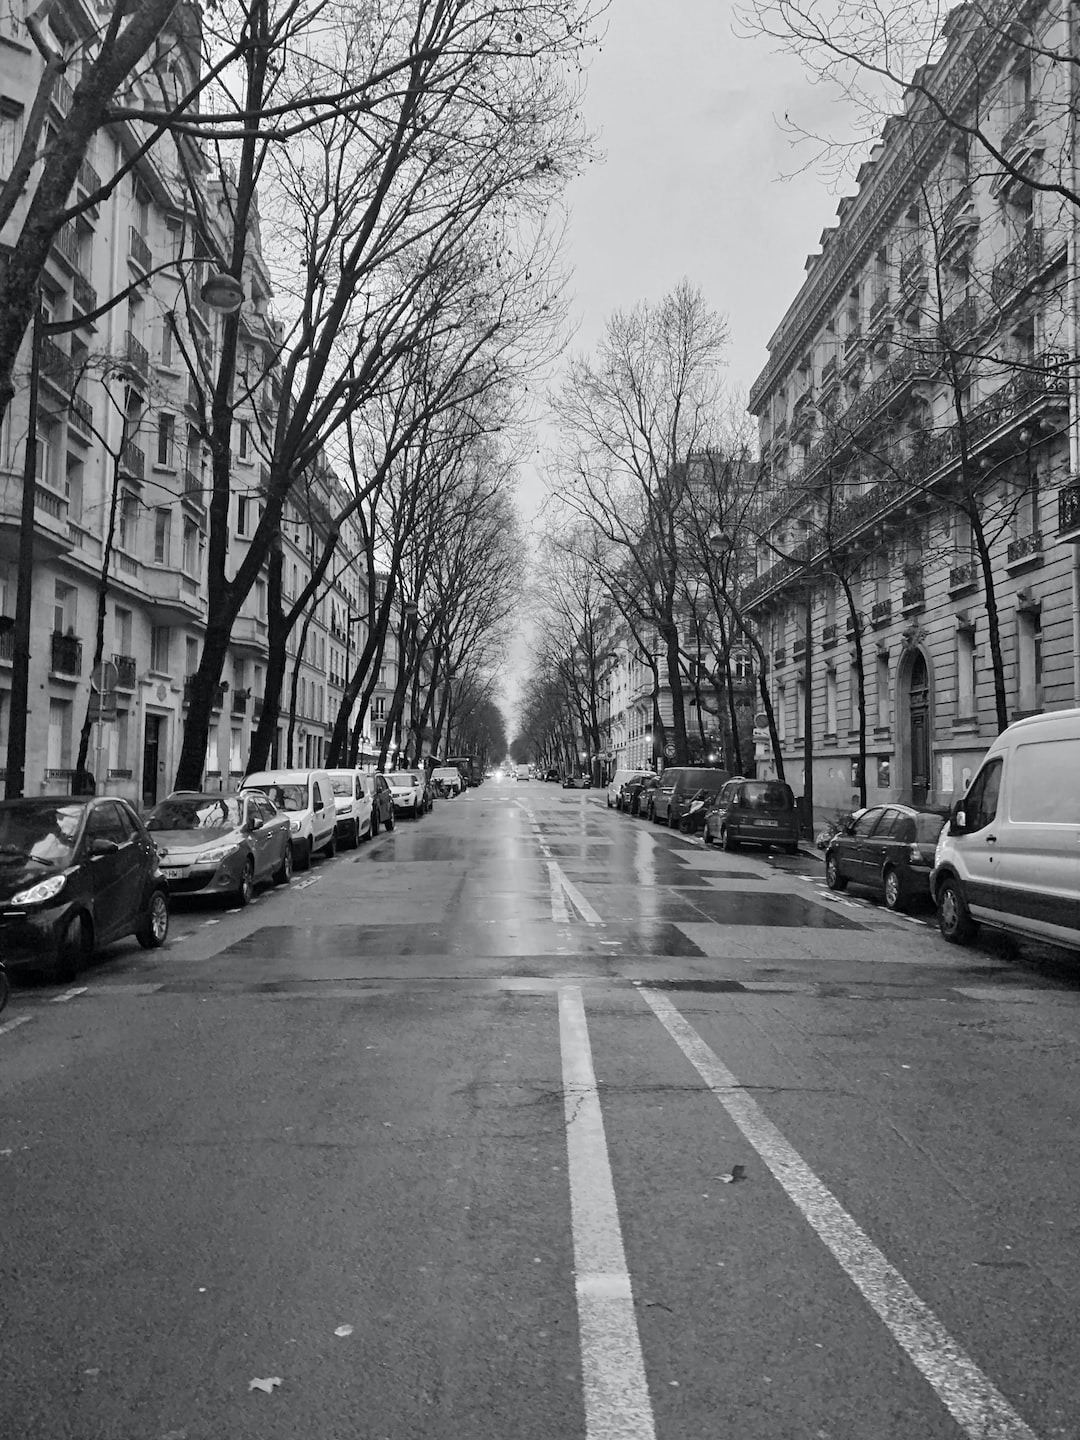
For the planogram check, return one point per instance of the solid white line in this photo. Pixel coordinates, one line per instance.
(976, 1404)
(69, 995)
(14, 1024)
(616, 1394)
(559, 913)
(577, 899)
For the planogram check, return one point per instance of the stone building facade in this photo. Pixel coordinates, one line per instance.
(917, 422)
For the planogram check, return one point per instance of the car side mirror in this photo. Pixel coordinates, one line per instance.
(958, 819)
(102, 846)
(255, 823)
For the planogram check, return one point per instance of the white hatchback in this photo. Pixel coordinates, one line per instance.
(407, 788)
(353, 805)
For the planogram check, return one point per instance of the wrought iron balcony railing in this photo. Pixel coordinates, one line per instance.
(133, 461)
(66, 655)
(960, 576)
(84, 294)
(880, 612)
(1018, 266)
(1069, 509)
(138, 249)
(1019, 125)
(136, 353)
(914, 595)
(81, 414)
(126, 671)
(1023, 546)
(829, 636)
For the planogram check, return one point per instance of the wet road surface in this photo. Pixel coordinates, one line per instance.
(530, 1119)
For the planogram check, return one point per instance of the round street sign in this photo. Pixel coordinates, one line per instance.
(669, 752)
(761, 721)
(104, 676)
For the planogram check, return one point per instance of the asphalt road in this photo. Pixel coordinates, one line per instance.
(531, 1120)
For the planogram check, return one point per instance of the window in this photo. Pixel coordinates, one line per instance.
(800, 707)
(242, 509)
(122, 631)
(58, 754)
(168, 340)
(64, 607)
(980, 803)
(191, 656)
(260, 599)
(128, 521)
(162, 536)
(781, 712)
(121, 740)
(830, 702)
(73, 487)
(378, 707)
(159, 649)
(1026, 520)
(191, 549)
(965, 672)
(882, 692)
(11, 133)
(166, 439)
(1029, 655)
(47, 455)
(245, 440)
(867, 822)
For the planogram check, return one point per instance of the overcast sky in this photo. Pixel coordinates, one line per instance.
(691, 184)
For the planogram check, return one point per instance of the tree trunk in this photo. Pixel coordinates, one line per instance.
(993, 622)
(675, 687)
(860, 675)
(262, 741)
(102, 605)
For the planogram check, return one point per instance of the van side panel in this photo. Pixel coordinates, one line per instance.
(1038, 844)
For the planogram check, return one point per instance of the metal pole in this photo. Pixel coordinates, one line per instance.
(100, 739)
(20, 660)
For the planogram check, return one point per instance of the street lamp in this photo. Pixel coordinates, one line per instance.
(222, 293)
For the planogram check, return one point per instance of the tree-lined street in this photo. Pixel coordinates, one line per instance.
(532, 1119)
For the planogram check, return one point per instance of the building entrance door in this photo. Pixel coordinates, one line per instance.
(151, 760)
(919, 729)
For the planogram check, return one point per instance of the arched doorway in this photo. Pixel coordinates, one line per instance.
(917, 728)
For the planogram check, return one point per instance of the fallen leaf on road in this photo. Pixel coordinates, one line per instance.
(266, 1386)
(738, 1172)
(343, 1330)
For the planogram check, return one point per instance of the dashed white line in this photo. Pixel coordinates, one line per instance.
(559, 913)
(617, 1405)
(69, 995)
(972, 1399)
(14, 1024)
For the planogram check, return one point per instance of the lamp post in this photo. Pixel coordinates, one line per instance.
(222, 293)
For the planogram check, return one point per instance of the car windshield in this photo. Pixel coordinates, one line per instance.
(766, 795)
(401, 777)
(341, 784)
(200, 812)
(39, 832)
(286, 797)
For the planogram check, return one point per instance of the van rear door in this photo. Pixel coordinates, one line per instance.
(1038, 847)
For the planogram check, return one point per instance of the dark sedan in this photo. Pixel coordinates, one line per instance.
(221, 844)
(889, 848)
(75, 874)
(633, 791)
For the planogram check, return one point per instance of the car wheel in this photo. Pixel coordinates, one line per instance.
(246, 888)
(895, 899)
(283, 874)
(5, 988)
(154, 928)
(302, 855)
(73, 950)
(329, 850)
(954, 922)
(833, 878)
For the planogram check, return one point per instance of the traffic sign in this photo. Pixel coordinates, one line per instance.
(104, 677)
(669, 752)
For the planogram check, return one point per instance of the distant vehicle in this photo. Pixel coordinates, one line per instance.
(754, 812)
(577, 782)
(470, 771)
(221, 843)
(552, 774)
(677, 784)
(449, 777)
(76, 873)
(618, 780)
(524, 772)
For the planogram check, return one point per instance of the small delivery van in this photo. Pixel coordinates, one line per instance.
(308, 798)
(1009, 855)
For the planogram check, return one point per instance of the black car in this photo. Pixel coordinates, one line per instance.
(629, 800)
(888, 847)
(76, 873)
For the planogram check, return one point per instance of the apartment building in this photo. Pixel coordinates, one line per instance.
(123, 479)
(918, 438)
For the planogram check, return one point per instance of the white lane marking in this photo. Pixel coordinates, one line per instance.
(303, 884)
(617, 1405)
(14, 1024)
(559, 913)
(972, 1399)
(644, 864)
(577, 899)
(69, 995)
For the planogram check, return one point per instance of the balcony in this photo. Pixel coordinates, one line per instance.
(1025, 549)
(239, 703)
(81, 415)
(55, 365)
(852, 341)
(1069, 511)
(84, 294)
(962, 577)
(1017, 131)
(798, 650)
(914, 596)
(61, 95)
(133, 461)
(139, 250)
(66, 244)
(126, 671)
(960, 322)
(88, 177)
(256, 709)
(7, 639)
(249, 633)
(830, 373)
(829, 636)
(193, 492)
(175, 595)
(1019, 267)
(65, 656)
(136, 354)
(880, 613)
(218, 701)
(854, 624)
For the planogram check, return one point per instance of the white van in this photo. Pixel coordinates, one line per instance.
(307, 797)
(1010, 854)
(353, 805)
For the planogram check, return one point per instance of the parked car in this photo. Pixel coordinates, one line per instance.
(408, 791)
(76, 873)
(754, 812)
(353, 805)
(618, 780)
(552, 774)
(449, 777)
(1010, 854)
(308, 799)
(382, 802)
(642, 794)
(676, 786)
(577, 782)
(889, 848)
(221, 843)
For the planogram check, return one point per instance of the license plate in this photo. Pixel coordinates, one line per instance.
(771, 824)
(172, 873)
